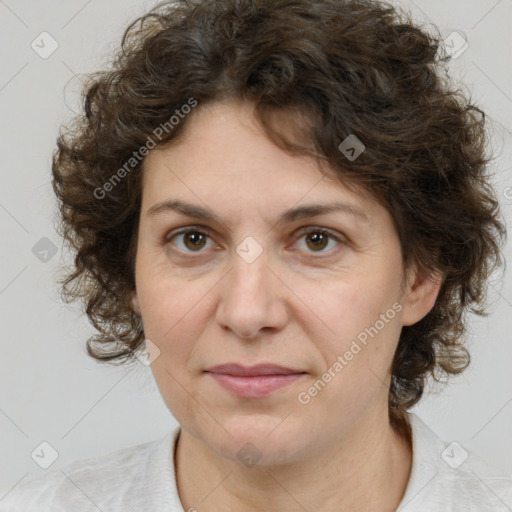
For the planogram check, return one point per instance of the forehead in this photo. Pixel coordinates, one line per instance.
(226, 161)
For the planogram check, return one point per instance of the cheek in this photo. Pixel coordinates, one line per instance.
(171, 308)
(364, 326)
(174, 313)
(352, 307)
(164, 296)
(357, 357)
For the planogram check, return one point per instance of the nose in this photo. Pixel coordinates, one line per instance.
(253, 298)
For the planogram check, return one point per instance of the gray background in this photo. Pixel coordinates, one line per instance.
(50, 389)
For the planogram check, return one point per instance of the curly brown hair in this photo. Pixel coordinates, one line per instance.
(358, 67)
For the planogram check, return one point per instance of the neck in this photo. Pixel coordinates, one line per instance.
(367, 470)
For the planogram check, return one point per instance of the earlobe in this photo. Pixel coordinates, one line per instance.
(134, 301)
(420, 295)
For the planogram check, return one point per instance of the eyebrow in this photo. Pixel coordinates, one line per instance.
(290, 215)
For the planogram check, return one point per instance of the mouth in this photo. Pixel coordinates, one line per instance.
(254, 381)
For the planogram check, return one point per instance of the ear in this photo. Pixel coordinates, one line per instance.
(134, 302)
(420, 294)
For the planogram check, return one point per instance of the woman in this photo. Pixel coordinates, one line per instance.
(286, 205)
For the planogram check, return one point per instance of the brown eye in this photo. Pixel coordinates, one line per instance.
(194, 240)
(318, 239)
(190, 240)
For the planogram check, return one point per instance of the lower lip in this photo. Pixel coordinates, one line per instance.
(255, 386)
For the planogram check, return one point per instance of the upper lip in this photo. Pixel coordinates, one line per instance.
(259, 369)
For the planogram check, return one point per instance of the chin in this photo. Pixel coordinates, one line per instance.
(260, 440)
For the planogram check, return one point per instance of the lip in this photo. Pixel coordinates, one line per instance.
(253, 371)
(254, 381)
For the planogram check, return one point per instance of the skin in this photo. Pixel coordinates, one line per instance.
(297, 305)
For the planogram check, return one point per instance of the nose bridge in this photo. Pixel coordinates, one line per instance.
(249, 298)
(250, 269)
(249, 276)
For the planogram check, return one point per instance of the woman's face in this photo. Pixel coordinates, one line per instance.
(252, 286)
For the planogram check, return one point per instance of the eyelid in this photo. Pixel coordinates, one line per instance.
(188, 229)
(319, 229)
(185, 229)
(340, 240)
(304, 230)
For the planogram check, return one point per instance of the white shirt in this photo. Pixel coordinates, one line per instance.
(141, 478)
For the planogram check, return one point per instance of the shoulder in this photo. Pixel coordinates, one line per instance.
(89, 484)
(447, 476)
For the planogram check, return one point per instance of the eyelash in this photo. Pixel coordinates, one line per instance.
(307, 231)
